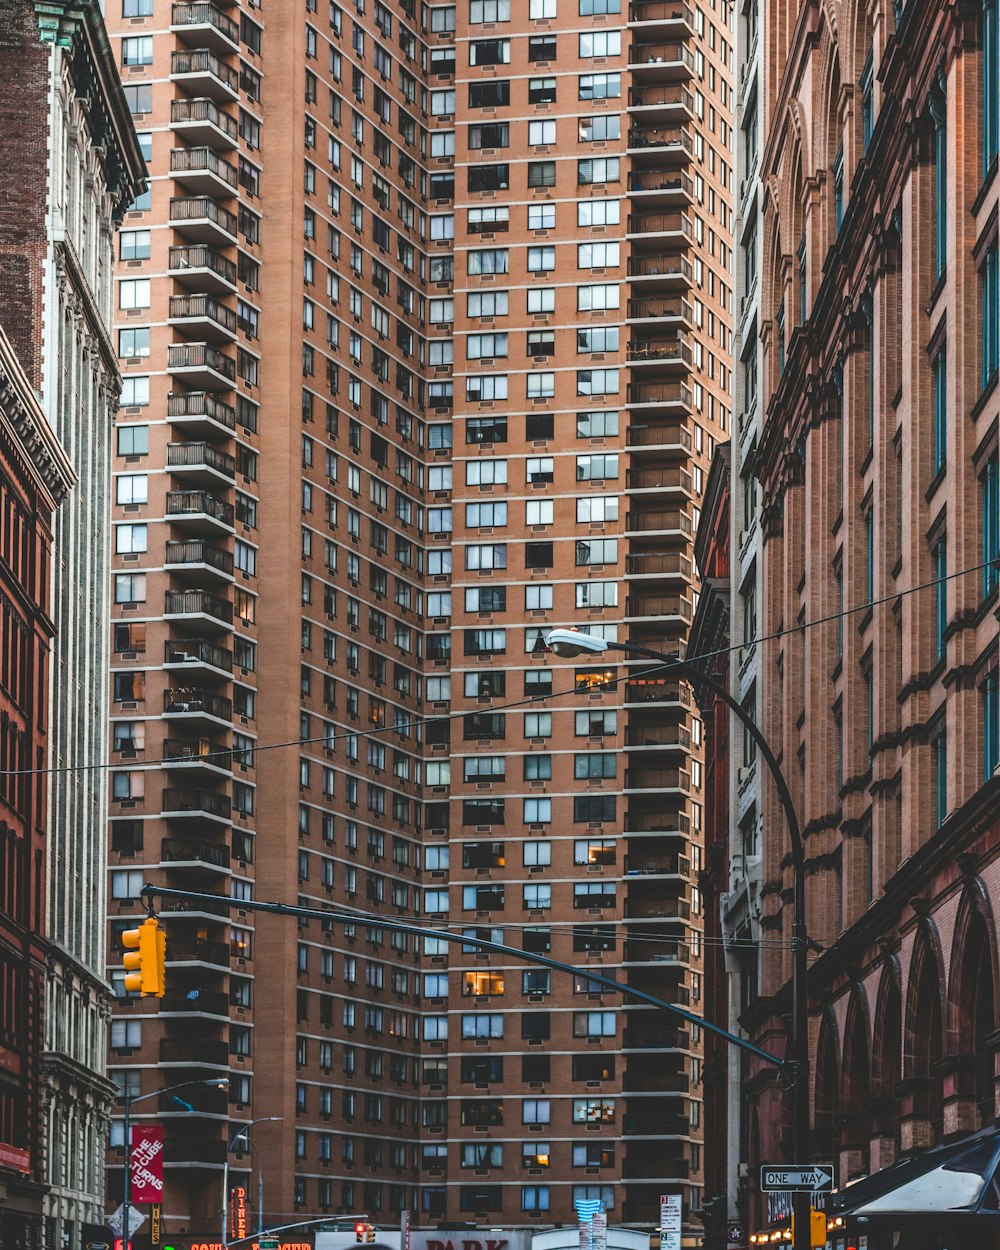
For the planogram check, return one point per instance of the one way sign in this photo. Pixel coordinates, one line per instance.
(813, 1178)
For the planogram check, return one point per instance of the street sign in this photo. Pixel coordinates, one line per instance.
(116, 1220)
(808, 1178)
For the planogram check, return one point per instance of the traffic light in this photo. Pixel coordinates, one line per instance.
(145, 961)
(370, 1232)
(359, 1232)
(817, 1228)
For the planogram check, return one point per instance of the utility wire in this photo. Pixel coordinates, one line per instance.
(368, 733)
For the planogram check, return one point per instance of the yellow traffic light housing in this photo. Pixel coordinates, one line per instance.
(145, 959)
(817, 1228)
(359, 1232)
(370, 1232)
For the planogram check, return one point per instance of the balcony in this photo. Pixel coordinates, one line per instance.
(658, 186)
(199, 72)
(657, 866)
(661, 355)
(206, 858)
(201, 366)
(203, 317)
(200, 512)
(193, 705)
(664, 17)
(656, 1081)
(202, 171)
(656, 906)
(672, 395)
(197, 655)
(196, 950)
(195, 1152)
(198, 607)
(660, 62)
(666, 271)
(666, 145)
(661, 102)
(201, 462)
(655, 1039)
(205, 26)
(657, 564)
(668, 437)
(665, 481)
(199, 559)
(202, 220)
(666, 229)
(658, 521)
(197, 412)
(203, 269)
(644, 607)
(203, 124)
(194, 1053)
(205, 755)
(196, 1002)
(195, 804)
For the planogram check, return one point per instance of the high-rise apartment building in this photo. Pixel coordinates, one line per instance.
(437, 311)
(877, 460)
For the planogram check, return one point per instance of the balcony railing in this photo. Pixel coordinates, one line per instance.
(659, 267)
(658, 479)
(674, 393)
(197, 551)
(200, 356)
(211, 1002)
(200, 256)
(202, 308)
(657, 908)
(659, 11)
(202, 404)
(660, 96)
(658, 519)
(197, 751)
(648, 350)
(194, 1052)
(197, 650)
(190, 455)
(201, 207)
(202, 14)
(197, 802)
(183, 112)
(202, 851)
(191, 699)
(659, 180)
(659, 223)
(658, 605)
(660, 137)
(658, 562)
(199, 503)
(659, 54)
(202, 161)
(660, 307)
(197, 603)
(658, 436)
(657, 865)
(655, 1039)
(201, 61)
(179, 951)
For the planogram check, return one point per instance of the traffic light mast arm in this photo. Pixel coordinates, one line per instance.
(149, 892)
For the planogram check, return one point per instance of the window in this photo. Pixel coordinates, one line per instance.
(541, 259)
(838, 191)
(541, 173)
(134, 342)
(939, 118)
(541, 90)
(487, 304)
(542, 48)
(939, 759)
(133, 293)
(537, 897)
(598, 212)
(593, 764)
(134, 244)
(489, 11)
(990, 694)
(597, 255)
(135, 392)
(600, 43)
(489, 52)
(990, 43)
(989, 497)
(593, 1110)
(534, 1197)
(597, 382)
(598, 170)
(940, 372)
(940, 599)
(597, 298)
(600, 87)
(137, 50)
(485, 388)
(542, 300)
(130, 539)
(989, 281)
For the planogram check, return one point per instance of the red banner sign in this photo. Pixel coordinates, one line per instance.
(147, 1164)
(238, 1213)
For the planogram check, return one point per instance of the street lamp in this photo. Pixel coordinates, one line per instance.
(263, 1119)
(216, 1082)
(568, 643)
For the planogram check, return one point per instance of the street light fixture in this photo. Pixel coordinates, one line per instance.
(221, 1082)
(244, 1134)
(569, 643)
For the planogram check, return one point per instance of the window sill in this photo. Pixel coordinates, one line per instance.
(939, 286)
(988, 179)
(987, 394)
(936, 482)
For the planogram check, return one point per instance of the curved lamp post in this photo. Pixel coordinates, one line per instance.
(569, 643)
(244, 1134)
(129, 1101)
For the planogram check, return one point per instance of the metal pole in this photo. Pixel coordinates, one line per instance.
(801, 1202)
(225, 1201)
(127, 1180)
(260, 1195)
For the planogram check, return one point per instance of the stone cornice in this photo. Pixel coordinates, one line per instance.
(21, 415)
